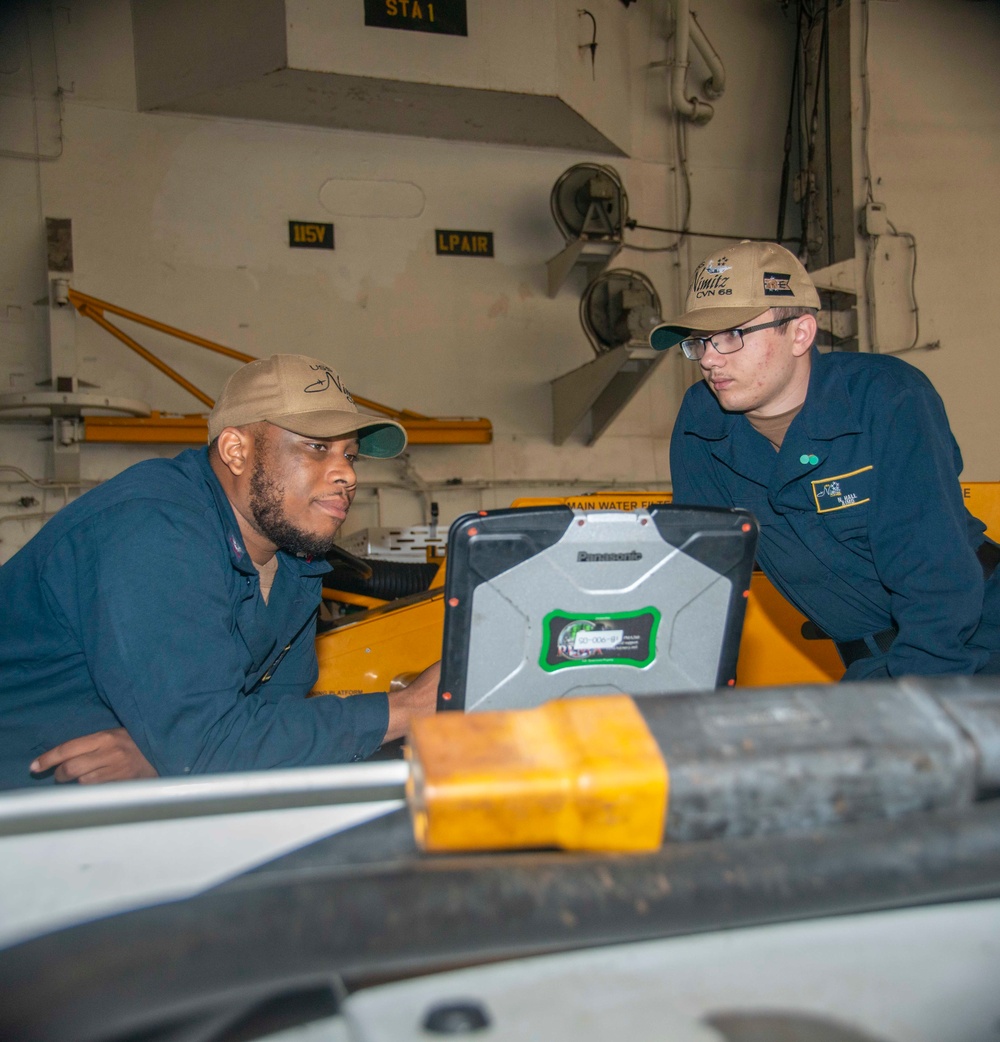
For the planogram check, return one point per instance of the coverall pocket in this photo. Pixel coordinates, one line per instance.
(842, 539)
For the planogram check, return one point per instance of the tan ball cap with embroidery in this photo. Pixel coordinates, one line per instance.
(305, 396)
(736, 284)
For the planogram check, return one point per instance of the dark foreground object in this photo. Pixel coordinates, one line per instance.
(864, 798)
(365, 906)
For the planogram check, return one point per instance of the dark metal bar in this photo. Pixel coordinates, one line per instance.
(363, 905)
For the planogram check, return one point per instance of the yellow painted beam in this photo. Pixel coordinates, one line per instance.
(154, 429)
(193, 430)
(165, 430)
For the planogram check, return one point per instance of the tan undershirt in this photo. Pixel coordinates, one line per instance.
(774, 428)
(267, 573)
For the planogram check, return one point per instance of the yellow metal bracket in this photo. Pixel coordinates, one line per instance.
(193, 429)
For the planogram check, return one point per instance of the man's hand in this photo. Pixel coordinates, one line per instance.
(100, 757)
(417, 699)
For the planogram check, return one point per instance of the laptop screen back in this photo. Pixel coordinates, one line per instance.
(550, 602)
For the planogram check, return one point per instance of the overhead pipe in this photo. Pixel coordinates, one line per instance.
(714, 87)
(691, 108)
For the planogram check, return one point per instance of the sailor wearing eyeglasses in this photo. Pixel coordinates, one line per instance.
(847, 461)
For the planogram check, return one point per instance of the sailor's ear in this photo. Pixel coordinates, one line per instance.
(804, 329)
(235, 446)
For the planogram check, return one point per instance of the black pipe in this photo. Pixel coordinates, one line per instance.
(830, 253)
(387, 580)
(786, 163)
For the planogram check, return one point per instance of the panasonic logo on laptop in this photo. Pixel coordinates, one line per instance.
(632, 555)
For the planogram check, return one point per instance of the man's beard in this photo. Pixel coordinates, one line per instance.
(267, 507)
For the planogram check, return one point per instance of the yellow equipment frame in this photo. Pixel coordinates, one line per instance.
(192, 429)
(372, 649)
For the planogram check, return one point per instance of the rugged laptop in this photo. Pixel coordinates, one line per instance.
(550, 602)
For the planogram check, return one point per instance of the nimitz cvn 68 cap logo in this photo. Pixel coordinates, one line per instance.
(711, 278)
(632, 555)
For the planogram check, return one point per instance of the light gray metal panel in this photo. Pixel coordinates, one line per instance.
(73, 853)
(50, 880)
(300, 63)
(507, 638)
(601, 388)
(916, 975)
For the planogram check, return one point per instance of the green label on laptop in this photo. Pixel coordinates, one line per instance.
(624, 638)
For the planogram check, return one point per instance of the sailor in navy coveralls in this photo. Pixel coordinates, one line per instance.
(164, 622)
(848, 463)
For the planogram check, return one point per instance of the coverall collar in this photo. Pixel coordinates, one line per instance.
(827, 413)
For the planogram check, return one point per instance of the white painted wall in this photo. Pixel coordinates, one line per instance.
(934, 153)
(184, 219)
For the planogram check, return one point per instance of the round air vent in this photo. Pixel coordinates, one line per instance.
(619, 307)
(589, 201)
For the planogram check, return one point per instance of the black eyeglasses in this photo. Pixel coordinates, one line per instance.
(727, 342)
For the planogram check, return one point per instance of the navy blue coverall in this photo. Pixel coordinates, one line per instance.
(138, 605)
(862, 521)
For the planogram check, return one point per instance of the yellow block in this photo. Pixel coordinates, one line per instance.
(579, 773)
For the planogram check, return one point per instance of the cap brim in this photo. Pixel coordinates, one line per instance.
(703, 320)
(381, 440)
(378, 436)
(713, 320)
(662, 338)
